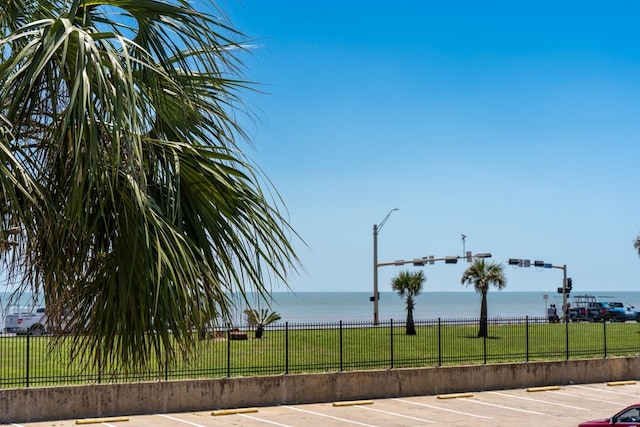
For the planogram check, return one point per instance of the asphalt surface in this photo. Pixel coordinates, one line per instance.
(545, 406)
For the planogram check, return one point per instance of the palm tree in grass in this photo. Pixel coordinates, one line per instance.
(482, 275)
(260, 318)
(121, 165)
(409, 284)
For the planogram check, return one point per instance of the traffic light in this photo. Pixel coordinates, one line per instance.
(569, 284)
(514, 261)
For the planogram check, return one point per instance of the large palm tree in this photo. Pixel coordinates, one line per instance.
(121, 166)
(409, 284)
(482, 275)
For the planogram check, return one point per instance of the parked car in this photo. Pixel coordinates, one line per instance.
(601, 311)
(22, 322)
(629, 416)
(31, 321)
(628, 310)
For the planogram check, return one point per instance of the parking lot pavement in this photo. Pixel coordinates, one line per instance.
(550, 406)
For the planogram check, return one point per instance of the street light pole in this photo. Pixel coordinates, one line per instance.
(376, 230)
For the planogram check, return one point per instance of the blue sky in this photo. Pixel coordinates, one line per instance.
(514, 123)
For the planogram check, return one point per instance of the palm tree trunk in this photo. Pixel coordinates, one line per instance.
(411, 329)
(483, 331)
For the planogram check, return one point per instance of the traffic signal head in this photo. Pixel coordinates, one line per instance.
(569, 283)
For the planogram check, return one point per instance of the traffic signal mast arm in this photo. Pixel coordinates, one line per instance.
(431, 260)
(566, 283)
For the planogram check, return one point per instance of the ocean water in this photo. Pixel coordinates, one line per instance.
(355, 306)
(312, 307)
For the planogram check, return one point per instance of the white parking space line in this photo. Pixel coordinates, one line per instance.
(585, 398)
(606, 391)
(504, 407)
(395, 414)
(179, 420)
(546, 402)
(262, 420)
(444, 409)
(328, 416)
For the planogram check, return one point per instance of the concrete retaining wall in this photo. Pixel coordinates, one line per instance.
(105, 400)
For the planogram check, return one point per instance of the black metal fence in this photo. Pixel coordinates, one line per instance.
(27, 361)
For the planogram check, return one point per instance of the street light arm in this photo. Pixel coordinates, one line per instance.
(379, 227)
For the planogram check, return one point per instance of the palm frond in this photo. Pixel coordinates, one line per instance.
(262, 317)
(482, 275)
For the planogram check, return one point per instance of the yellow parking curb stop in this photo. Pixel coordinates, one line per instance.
(454, 395)
(621, 382)
(353, 403)
(102, 420)
(552, 387)
(234, 411)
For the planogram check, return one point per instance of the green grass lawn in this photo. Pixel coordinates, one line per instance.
(311, 349)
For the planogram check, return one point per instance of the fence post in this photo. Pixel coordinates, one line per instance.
(484, 344)
(526, 334)
(439, 341)
(566, 328)
(341, 346)
(228, 350)
(604, 335)
(166, 364)
(100, 367)
(286, 347)
(27, 355)
(391, 340)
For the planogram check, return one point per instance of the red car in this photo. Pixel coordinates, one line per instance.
(627, 417)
